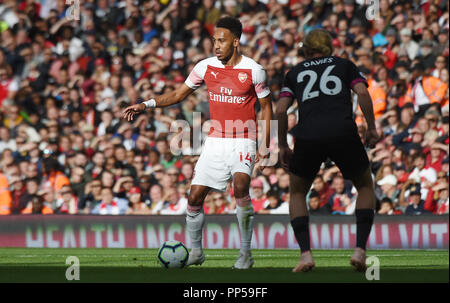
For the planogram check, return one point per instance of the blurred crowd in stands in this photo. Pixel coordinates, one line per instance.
(64, 82)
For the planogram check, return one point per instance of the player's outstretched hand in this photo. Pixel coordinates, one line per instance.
(130, 111)
(285, 156)
(372, 138)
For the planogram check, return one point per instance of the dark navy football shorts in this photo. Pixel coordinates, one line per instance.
(347, 152)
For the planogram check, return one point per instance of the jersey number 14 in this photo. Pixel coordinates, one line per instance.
(247, 157)
(324, 80)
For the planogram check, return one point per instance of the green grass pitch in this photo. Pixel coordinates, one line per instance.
(140, 265)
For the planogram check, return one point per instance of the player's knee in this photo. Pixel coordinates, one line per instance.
(195, 200)
(240, 190)
(300, 188)
(363, 181)
(298, 193)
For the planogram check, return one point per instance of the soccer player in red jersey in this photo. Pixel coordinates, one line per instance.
(235, 82)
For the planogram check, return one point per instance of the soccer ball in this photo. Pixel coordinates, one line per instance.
(173, 254)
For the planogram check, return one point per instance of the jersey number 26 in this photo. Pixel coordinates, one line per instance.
(324, 80)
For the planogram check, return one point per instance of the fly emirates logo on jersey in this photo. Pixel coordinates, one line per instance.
(226, 96)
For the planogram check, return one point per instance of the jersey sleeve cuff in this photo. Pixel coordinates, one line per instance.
(263, 94)
(358, 80)
(190, 84)
(286, 92)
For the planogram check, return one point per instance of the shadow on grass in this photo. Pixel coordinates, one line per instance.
(146, 274)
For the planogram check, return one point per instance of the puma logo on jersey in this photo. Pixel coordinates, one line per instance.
(214, 74)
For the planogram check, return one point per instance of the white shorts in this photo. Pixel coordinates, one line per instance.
(221, 158)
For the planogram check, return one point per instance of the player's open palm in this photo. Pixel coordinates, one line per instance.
(132, 110)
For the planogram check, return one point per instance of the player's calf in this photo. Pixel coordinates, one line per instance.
(300, 225)
(245, 215)
(195, 219)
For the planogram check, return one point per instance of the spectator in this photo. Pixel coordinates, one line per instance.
(157, 198)
(218, 205)
(67, 203)
(92, 197)
(62, 91)
(8, 85)
(109, 205)
(407, 44)
(177, 205)
(52, 174)
(19, 196)
(136, 206)
(37, 206)
(421, 173)
(208, 14)
(416, 204)
(400, 173)
(434, 155)
(187, 172)
(283, 186)
(387, 207)
(323, 190)
(122, 186)
(273, 204)
(341, 201)
(426, 53)
(259, 199)
(47, 193)
(437, 200)
(6, 142)
(95, 168)
(144, 185)
(282, 208)
(388, 186)
(314, 205)
(432, 89)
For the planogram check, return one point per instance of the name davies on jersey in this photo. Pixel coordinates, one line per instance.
(318, 62)
(225, 96)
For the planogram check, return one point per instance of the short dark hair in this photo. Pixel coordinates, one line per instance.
(420, 155)
(33, 179)
(314, 194)
(272, 193)
(386, 200)
(232, 24)
(50, 164)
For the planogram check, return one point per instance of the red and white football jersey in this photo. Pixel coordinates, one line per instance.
(232, 93)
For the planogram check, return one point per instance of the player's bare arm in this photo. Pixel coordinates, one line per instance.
(365, 102)
(267, 113)
(281, 115)
(170, 98)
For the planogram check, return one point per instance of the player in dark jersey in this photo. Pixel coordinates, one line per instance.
(322, 85)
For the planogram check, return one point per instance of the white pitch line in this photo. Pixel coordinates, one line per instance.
(348, 255)
(232, 254)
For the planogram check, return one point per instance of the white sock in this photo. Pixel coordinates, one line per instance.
(194, 223)
(245, 216)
